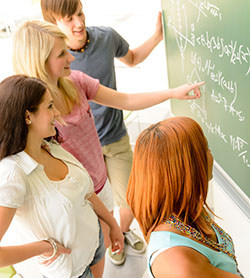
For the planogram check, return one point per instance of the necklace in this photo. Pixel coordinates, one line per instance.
(188, 230)
(82, 49)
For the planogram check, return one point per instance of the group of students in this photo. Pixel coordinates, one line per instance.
(57, 179)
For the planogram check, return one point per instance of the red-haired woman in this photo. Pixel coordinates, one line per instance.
(167, 193)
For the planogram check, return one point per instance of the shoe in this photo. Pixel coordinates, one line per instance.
(134, 241)
(115, 258)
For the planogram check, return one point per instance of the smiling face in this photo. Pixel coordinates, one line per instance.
(42, 122)
(74, 28)
(58, 63)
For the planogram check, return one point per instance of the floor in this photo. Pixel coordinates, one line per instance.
(134, 266)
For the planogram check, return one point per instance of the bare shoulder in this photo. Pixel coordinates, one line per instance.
(176, 262)
(185, 262)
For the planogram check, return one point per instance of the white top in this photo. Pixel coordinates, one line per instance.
(56, 209)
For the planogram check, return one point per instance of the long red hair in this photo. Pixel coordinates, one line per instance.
(169, 175)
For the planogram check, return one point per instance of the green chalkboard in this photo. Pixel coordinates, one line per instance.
(210, 41)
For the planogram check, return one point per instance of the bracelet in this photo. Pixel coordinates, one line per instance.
(54, 246)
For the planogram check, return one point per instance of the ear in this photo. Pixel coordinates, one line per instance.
(27, 117)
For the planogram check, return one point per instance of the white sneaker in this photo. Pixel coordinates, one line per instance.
(115, 258)
(134, 241)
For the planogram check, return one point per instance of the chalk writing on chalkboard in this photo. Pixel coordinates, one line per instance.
(204, 42)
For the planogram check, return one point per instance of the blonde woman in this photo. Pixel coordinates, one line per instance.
(101, 46)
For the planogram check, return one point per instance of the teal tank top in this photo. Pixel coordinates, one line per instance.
(162, 240)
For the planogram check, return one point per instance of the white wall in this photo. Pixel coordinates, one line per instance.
(235, 222)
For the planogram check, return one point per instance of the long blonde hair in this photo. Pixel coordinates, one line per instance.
(33, 42)
(170, 175)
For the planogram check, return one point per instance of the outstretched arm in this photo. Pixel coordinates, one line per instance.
(123, 101)
(140, 53)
